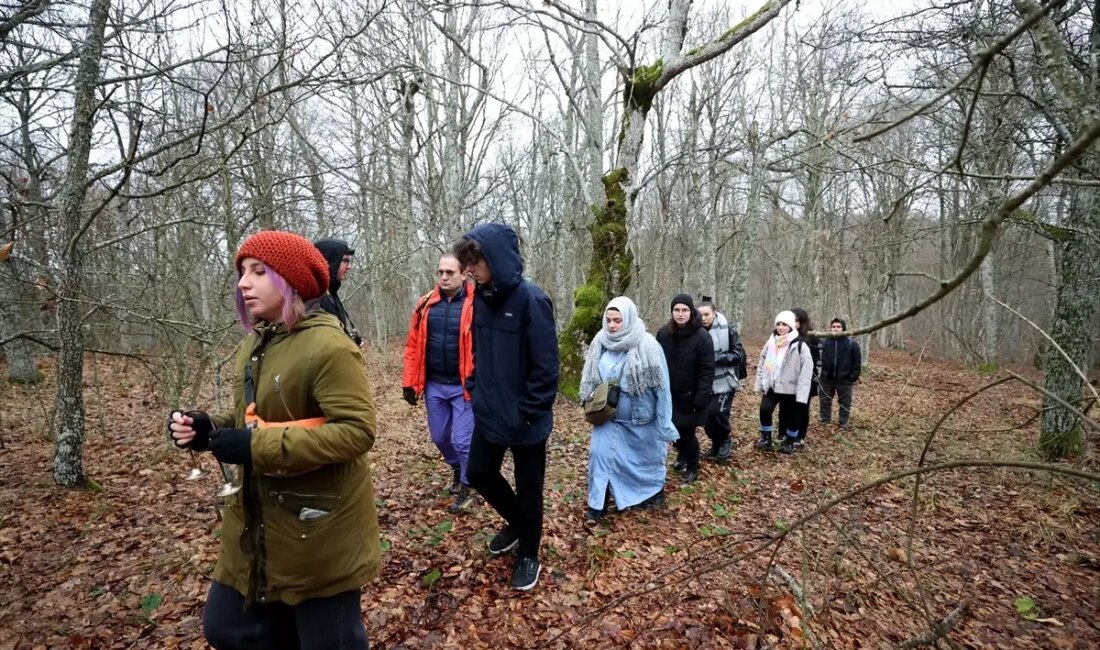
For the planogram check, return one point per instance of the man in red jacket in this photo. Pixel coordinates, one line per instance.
(438, 360)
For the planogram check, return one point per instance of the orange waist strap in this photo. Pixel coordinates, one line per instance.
(250, 418)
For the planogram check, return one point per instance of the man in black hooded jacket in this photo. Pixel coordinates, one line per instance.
(338, 255)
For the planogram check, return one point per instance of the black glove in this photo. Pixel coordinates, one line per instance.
(201, 423)
(409, 395)
(232, 446)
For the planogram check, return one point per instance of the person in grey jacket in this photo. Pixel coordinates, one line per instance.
(783, 378)
(728, 357)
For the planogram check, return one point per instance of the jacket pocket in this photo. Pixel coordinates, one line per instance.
(643, 409)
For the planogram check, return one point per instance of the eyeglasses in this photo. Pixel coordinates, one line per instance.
(446, 272)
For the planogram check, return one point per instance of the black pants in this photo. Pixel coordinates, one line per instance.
(317, 624)
(802, 417)
(688, 446)
(522, 507)
(843, 392)
(788, 412)
(718, 418)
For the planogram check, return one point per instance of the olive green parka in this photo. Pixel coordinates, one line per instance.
(305, 525)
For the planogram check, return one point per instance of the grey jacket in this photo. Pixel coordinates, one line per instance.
(795, 375)
(725, 379)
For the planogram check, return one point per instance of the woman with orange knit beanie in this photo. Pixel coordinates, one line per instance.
(300, 539)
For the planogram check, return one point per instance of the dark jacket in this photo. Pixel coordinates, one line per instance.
(841, 361)
(334, 251)
(516, 365)
(267, 551)
(814, 344)
(441, 348)
(690, 355)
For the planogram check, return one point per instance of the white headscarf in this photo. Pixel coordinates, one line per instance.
(644, 355)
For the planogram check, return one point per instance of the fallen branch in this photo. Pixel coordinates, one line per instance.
(938, 631)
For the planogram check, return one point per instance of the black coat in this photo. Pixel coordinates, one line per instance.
(690, 355)
(841, 361)
(516, 366)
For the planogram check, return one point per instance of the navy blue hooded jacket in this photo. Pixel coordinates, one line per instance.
(516, 365)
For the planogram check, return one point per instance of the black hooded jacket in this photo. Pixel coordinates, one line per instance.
(516, 367)
(334, 251)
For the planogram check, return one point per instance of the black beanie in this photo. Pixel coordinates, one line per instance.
(682, 299)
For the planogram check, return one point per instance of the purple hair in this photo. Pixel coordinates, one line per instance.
(291, 313)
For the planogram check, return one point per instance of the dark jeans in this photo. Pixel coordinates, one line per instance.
(843, 392)
(718, 418)
(688, 446)
(788, 412)
(522, 507)
(316, 624)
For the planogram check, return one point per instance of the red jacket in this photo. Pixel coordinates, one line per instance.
(413, 374)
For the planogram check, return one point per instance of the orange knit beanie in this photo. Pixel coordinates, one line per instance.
(293, 257)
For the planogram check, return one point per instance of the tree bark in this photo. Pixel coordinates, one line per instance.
(68, 432)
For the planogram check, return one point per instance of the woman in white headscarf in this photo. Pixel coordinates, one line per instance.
(627, 455)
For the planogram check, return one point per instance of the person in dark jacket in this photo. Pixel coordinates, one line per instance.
(690, 355)
(805, 326)
(439, 357)
(513, 386)
(338, 255)
(841, 363)
(729, 355)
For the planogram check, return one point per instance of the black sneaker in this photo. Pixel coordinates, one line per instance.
(653, 502)
(463, 500)
(764, 443)
(680, 465)
(592, 515)
(712, 453)
(504, 541)
(525, 573)
(788, 446)
(691, 475)
(726, 450)
(456, 480)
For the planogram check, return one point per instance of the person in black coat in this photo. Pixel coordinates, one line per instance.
(690, 355)
(841, 363)
(338, 255)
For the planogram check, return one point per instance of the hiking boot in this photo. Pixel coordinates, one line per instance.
(764, 443)
(463, 500)
(592, 515)
(725, 450)
(456, 480)
(504, 541)
(788, 446)
(680, 465)
(525, 572)
(691, 474)
(653, 502)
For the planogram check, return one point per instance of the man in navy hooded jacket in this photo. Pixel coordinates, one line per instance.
(512, 389)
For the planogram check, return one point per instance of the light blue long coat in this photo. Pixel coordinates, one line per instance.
(628, 452)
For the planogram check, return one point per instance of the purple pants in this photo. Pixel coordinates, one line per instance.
(450, 421)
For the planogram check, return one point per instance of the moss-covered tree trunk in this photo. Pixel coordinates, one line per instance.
(610, 268)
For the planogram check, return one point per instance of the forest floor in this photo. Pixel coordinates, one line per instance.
(1010, 556)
